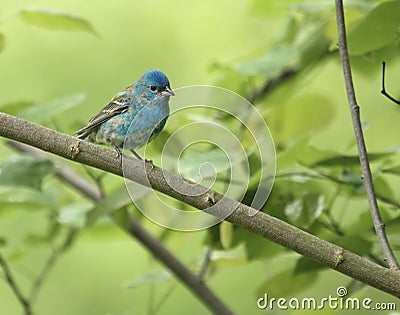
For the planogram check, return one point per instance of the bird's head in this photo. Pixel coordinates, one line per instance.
(155, 83)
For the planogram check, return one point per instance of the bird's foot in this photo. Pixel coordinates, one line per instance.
(118, 153)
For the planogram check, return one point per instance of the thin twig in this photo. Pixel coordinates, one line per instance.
(48, 266)
(17, 291)
(362, 151)
(271, 84)
(205, 262)
(383, 91)
(203, 198)
(154, 309)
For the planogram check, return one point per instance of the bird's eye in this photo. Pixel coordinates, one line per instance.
(153, 88)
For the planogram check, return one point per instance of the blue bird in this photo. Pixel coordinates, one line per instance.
(134, 117)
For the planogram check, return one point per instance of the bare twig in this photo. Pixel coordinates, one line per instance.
(383, 91)
(202, 198)
(271, 84)
(205, 262)
(17, 291)
(355, 115)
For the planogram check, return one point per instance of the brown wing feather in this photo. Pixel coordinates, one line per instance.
(118, 105)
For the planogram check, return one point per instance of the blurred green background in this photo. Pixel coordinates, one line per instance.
(239, 46)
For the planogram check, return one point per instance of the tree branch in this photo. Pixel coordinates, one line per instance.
(193, 282)
(261, 223)
(271, 84)
(362, 150)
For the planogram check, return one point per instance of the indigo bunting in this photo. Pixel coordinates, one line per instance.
(145, 102)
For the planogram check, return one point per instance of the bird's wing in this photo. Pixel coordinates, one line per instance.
(119, 104)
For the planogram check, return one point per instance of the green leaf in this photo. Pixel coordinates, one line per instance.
(115, 201)
(305, 210)
(384, 191)
(352, 178)
(55, 20)
(314, 45)
(286, 284)
(13, 108)
(221, 259)
(278, 59)
(47, 111)
(196, 165)
(2, 42)
(256, 247)
(17, 198)
(313, 157)
(354, 243)
(395, 170)
(290, 155)
(226, 234)
(378, 29)
(25, 171)
(307, 265)
(74, 215)
(146, 279)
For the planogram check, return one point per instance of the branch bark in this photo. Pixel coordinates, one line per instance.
(362, 150)
(261, 223)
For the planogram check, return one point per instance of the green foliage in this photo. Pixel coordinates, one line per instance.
(25, 172)
(286, 63)
(305, 210)
(47, 111)
(377, 29)
(55, 20)
(277, 59)
(114, 201)
(286, 284)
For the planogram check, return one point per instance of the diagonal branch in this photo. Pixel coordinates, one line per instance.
(161, 180)
(362, 150)
(193, 282)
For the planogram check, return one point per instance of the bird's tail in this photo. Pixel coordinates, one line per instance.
(83, 133)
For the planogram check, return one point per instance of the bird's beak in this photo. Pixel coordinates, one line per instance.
(168, 92)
